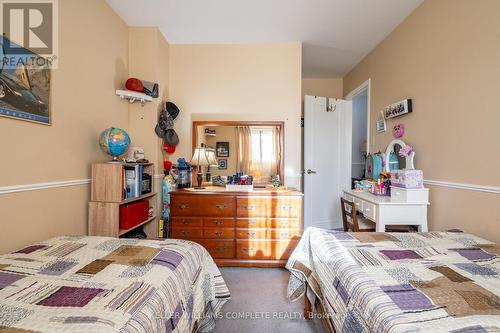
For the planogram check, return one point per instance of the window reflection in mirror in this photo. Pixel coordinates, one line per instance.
(254, 148)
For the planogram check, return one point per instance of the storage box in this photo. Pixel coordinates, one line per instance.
(133, 214)
(407, 178)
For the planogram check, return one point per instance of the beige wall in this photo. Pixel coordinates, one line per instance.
(331, 87)
(92, 63)
(445, 56)
(239, 82)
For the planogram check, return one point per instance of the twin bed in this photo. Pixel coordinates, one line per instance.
(357, 282)
(398, 282)
(100, 284)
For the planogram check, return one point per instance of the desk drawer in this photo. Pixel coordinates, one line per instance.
(186, 222)
(202, 205)
(370, 211)
(218, 233)
(186, 233)
(358, 203)
(287, 207)
(218, 249)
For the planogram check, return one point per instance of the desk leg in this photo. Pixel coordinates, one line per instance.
(380, 227)
(422, 227)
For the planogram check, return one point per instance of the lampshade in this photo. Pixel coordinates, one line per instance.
(211, 158)
(199, 157)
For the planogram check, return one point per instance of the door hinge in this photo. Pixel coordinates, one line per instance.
(302, 122)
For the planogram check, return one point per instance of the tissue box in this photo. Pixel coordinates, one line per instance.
(407, 178)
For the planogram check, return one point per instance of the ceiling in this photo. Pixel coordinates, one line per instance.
(336, 34)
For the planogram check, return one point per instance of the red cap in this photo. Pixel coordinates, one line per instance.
(134, 84)
(169, 149)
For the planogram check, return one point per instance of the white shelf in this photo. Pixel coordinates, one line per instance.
(133, 96)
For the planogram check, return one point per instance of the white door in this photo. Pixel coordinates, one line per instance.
(327, 159)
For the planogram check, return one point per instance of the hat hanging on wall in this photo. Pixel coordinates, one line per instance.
(165, 127)
(172, 109)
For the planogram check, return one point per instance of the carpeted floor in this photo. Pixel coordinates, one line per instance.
(259, 303)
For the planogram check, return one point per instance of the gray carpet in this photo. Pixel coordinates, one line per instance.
(259, 293)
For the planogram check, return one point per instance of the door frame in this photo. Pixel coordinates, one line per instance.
(355, 92)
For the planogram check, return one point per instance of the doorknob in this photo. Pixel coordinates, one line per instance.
(309, 171)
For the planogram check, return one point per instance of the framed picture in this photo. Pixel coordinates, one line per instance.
(24, 90)
(398, 109)
(381, 123)
(222, 164)
(222, 149)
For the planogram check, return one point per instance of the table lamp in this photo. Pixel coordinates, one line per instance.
(199, 160)
(213, 162)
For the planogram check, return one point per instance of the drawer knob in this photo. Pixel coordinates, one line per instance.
(221, 206)
(221, 249)
(367, 209)
(218, 222)
(249, 249)
(252, 223)
(249, 207)
(185, 222)
(183, 206)
(251, 234)
(284, 223)
(284, 234)
(185, 233)
(219, 233)
(287, 208)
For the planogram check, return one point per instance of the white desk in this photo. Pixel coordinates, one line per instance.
(390, 211)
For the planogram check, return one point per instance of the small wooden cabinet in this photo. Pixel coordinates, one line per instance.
(259, 228)
(107, 197)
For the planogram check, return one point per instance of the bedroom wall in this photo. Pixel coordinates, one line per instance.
(92, 57)
(325, 87)
(445, 57)
(239, 82)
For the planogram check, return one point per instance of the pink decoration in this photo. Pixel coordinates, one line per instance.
(399, 130)
(405, 151)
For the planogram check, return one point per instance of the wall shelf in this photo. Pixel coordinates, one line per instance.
(133, 96)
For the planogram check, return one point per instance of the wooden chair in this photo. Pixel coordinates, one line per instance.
(351, 219)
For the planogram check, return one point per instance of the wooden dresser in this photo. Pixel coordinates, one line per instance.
(259, 228)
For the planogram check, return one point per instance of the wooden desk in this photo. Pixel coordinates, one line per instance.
(404, 207)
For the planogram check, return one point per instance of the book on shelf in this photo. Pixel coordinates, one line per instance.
(132, 183)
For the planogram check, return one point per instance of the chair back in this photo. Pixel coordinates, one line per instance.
(349, 215)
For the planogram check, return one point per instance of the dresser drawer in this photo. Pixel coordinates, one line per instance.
(284, 233)
(218, 249)
(370, 211)
(264, 249)
(218, 222)
(186, 233)
(252, 233)
(284, 223)
(290, 207)
(202, 205)
(186, 222)
(218, 233)
(251, 223)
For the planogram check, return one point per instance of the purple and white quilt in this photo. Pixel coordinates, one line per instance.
(100, 284)
(399, 282)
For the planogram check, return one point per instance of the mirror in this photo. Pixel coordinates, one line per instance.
(399, 155)
(252, 147)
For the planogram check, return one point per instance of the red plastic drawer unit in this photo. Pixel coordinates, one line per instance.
(133, 214)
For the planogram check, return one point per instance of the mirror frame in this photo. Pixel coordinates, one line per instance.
(280, 124)
(409, 159)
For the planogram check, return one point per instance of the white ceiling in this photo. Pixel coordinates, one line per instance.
(336, 34)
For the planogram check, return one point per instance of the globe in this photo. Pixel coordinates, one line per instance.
(114, 141)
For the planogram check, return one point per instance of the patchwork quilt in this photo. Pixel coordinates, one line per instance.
(399, 282)
(100, 284)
